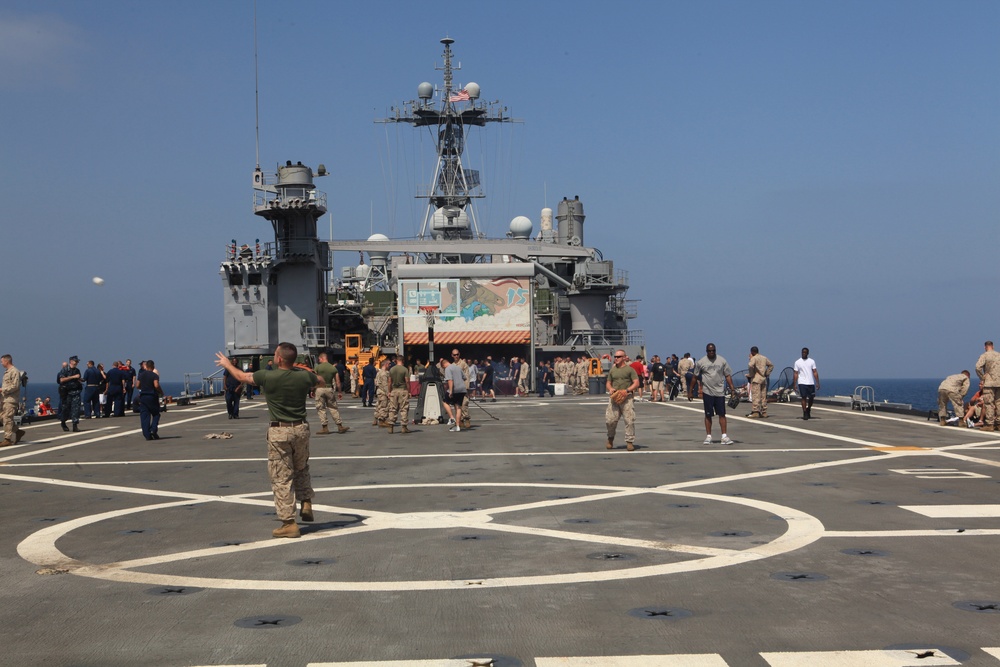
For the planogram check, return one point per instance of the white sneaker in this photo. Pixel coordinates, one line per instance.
(953, 420)
(455, 429)
(708, 440)
(451, 422)
(970, 423)
(726, 440)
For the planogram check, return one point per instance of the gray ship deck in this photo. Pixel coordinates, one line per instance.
(848, 540)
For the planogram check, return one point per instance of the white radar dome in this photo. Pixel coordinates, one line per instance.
(442, 221)
(378, 257)
(473, 90)
(520, 227)
(425, 91)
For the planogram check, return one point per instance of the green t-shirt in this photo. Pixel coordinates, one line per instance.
(326, 370)
(399, 377)
(286, 392)
(622, 378)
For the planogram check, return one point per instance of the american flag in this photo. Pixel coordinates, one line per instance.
(462, 96)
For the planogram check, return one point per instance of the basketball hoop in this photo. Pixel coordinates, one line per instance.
(428, 312)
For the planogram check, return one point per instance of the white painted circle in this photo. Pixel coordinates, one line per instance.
(40, 547)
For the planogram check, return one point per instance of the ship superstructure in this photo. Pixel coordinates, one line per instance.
(523, 295)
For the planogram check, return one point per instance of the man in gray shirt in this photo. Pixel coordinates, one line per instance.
(714, 373)
(454, 383)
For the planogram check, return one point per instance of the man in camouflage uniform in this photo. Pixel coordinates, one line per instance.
(285, 389)
(11, 397)
(399, 396)
(953, 388)
(988, 370)
(621, 377)
(327, 395)
(759, 370)
(582, 373)
(523, 379)
(684, 367)
(381, 394)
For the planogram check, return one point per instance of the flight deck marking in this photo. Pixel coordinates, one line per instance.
(678, 660)
(88, 441)
(802, 529)
(955, 511)
(885, 658)
(784, 427)
(938, 473)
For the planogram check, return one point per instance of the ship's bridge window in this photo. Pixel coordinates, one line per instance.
(254, 279)
(236, 280)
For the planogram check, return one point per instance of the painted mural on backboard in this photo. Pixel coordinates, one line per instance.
(484, 311)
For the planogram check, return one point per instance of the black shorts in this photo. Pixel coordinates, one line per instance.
(455, 399)
(714, 405)
(807, 391)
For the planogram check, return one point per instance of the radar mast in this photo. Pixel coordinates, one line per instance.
(450, 214)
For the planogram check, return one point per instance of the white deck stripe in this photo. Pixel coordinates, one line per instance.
(885, 658)
(995, 652)
(944, 532)
(679, 660)
(954, 511)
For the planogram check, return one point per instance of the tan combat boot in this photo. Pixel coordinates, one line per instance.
(6, 443)
(288, 529)
(383, 424)
(986, 427)
(611, 443)
(343, 429)
(405, 430)
(375, 422)
(324, 430)
(307, 510)
(391, 427)
(942, 421)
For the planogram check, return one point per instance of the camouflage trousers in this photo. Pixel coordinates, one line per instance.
(381, 405)
(991, 405)
(758, 397)
(956, 399)
(7, 417)
(288, 467)
(399, 402)
(326, 402)
(615, 412)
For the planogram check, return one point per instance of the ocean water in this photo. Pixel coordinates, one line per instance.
(921, 393)
(50, 389)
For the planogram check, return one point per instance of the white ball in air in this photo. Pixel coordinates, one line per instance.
(98, 280)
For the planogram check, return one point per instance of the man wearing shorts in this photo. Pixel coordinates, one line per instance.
(454, 383)
(714, 373)
(807, 380)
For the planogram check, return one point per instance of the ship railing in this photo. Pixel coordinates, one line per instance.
(314, 336)
(621, 277)
(606, 337)
(214, 384)
(288, 197)
(302, 248)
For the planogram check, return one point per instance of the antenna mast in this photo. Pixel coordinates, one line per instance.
(256, 88)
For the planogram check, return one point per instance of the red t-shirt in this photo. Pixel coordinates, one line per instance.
(639, 367)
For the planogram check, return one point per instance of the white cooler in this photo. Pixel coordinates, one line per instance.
(559, 388)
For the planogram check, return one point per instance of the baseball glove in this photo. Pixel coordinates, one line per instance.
(619, 396)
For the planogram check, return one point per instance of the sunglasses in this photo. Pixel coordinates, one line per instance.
(619, 356)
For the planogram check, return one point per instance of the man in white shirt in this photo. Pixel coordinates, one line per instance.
(807, 380)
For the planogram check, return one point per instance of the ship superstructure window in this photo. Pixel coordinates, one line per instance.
(236, 280)
(254, 279)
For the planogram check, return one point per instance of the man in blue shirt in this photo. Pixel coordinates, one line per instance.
(91, 391)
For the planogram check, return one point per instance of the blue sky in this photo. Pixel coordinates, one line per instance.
(770, 173)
